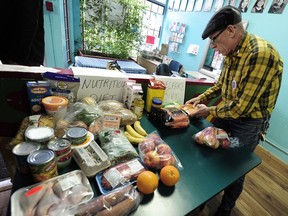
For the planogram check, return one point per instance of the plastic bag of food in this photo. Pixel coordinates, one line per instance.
(189, 109)
(155, 153)
(171, 117)
(52, 197)
(215, 137)
(122, 201)
(78, 115)
(116, 146)
(118, 108)
(63, 85)
(121, 174)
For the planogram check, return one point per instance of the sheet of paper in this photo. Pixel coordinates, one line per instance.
(175, 88)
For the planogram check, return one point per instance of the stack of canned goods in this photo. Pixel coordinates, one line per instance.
(62, 149)
(41, 135)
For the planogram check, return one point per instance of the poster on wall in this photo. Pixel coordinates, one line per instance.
(183, 5)
(208, 5)
(259, 6)
(277, 6)
(176, 5)
(170, 5)
(231, 2)
(190, 5)
(198, 5)
(218, 5)
(243, 5)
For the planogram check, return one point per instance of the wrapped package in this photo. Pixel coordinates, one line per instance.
(52, 197)
(117, 147)
(171, 116)
(118, 108)
(215, 137)
(155, 153)
(119, 175)
(122, 201)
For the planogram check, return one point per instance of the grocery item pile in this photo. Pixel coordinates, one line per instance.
(106, 140)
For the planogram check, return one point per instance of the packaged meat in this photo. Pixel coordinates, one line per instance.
(52, 197)
(156, 153)
(119, 175)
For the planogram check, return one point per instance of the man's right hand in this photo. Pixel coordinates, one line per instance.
(194, 101)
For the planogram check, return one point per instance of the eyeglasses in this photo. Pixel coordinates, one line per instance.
(216, 36)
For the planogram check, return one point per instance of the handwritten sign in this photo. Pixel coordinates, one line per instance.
(175, 88)
(100, 84)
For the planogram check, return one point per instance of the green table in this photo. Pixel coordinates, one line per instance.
(206, 171)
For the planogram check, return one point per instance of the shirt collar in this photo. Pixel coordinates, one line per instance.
(241, 46)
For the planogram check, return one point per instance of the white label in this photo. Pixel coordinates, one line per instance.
(69, 182)
(114, 177)
(135, 166)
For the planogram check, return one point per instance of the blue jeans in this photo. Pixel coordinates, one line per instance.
(248, 131)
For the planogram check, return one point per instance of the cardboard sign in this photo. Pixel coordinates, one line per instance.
(100, 84)
(175, 88)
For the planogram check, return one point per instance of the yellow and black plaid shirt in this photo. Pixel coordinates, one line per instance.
(250, 81)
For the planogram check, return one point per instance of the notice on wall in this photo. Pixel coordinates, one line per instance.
(175, 88)
(100, 84)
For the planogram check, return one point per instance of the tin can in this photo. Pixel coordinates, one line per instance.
(41, 135)
(62, 149)
(43, 165)
(21, 152)
(77, 135)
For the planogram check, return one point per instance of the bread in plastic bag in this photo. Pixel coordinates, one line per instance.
(118, 108)
(155, 153)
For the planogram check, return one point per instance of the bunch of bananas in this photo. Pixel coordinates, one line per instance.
(136, 133)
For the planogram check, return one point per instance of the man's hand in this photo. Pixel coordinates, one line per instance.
(194, 101)
(203, 111)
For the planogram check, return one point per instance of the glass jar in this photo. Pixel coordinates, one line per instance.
(138, 105)
(156, 104)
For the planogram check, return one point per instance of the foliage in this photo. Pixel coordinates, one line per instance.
(112, 26)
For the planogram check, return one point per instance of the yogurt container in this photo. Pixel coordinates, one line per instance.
(41, 135)
(55, 105)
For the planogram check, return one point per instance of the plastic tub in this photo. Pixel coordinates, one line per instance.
(55, 104)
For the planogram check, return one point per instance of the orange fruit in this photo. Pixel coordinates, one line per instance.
(147, 182)
(169, 175)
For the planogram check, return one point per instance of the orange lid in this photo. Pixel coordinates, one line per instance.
(53, 102)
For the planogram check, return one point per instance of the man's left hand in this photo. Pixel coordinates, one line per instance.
(203, 111)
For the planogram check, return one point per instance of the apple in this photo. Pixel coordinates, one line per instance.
(152, 159)
(167, 159)
(146, 145)
(163, 149)
(225, 143)
(156, 138)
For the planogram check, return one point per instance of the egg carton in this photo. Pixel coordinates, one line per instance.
(91, 159)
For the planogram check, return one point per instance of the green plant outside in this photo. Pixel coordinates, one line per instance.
(112, 27)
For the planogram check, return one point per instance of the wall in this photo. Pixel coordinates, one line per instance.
(269, 26)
